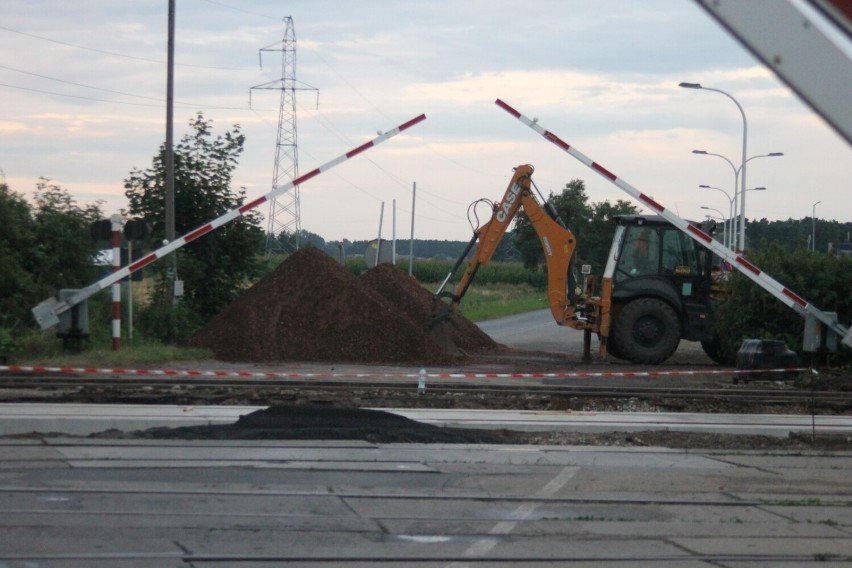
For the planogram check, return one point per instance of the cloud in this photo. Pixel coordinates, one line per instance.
(601, 75)
(9, 127)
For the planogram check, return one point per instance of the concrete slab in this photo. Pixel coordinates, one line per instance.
(813, 548)
(257, 464)
(576, 421)
(85, 419)
(217, 502)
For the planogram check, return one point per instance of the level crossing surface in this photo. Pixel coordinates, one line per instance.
(125, 503)
(93, 502)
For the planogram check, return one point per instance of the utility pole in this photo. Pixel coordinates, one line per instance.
(284, 210)
(170, 153)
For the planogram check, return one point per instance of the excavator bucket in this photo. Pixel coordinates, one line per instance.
(440, 313)
(440, 328)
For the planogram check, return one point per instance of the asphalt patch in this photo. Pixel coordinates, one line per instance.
(292, 422)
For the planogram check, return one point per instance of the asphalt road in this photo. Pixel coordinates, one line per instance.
(537, 331)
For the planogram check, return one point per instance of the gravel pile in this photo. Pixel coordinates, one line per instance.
(312, 309)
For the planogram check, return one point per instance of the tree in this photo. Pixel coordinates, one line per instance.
(287, 240)
(217, 266)
(63, 252)
(17, 238)
(43, 247)
(591, 224)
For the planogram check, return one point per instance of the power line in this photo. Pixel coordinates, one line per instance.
(124, 55)
(56, 94)
(185, 104)
(234, 8)
(77, 84)
(42, 91)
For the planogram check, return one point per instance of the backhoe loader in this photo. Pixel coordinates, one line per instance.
(655, 290)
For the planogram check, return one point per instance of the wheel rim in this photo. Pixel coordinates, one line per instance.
(648, 331)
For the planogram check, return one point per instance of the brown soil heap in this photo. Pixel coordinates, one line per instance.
(312, 309)
(416, 302)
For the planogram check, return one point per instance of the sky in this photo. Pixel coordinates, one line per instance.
(83, 91)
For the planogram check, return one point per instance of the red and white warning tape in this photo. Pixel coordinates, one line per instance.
(290, 375)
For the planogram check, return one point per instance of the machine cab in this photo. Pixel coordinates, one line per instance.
(651, 257)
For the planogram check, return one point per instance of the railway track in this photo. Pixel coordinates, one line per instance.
(404, 389)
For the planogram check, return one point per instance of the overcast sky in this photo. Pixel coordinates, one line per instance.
(83, 88)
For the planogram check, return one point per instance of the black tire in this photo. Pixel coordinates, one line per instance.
(612, 347)
(647, 330)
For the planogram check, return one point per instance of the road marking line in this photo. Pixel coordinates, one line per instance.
(483, 546)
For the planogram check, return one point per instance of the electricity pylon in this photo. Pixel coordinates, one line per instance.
(284, 210)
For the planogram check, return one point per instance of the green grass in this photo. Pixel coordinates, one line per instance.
(491, 301)
(46, 349)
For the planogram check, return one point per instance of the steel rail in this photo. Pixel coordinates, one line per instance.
(726, 392)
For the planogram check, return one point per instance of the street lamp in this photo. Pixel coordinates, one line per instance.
(737, 186)
(744, 160)
(721, 215)
(813, 227)
(733, 240)
(729, 222)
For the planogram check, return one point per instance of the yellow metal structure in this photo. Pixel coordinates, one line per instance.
(579, 311)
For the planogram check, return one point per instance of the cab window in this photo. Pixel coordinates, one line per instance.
(640, 255)
(679, 256)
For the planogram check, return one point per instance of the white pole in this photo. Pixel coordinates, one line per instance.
(813, 226)
(393, 235)
(129, 294)
(379, 238)
(411, 240)
(115, 221)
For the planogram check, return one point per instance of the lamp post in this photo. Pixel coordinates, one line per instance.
(721, 215)
(728, 242)
(736, 192)
(738, 183)
(813, 226)
(744, 160)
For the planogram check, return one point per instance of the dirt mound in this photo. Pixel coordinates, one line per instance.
(312, 309)
(416, 302)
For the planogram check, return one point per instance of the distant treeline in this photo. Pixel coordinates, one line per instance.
(423, 248)
(795, 234)
(428, 248)
(791, 234)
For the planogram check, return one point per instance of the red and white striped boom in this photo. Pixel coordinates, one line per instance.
(784, 294)
(47, 312)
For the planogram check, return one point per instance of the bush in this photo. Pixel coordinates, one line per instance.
(170, 324)
(10, 344)
(753, 313)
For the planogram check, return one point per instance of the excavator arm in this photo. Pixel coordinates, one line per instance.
(557, 241)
